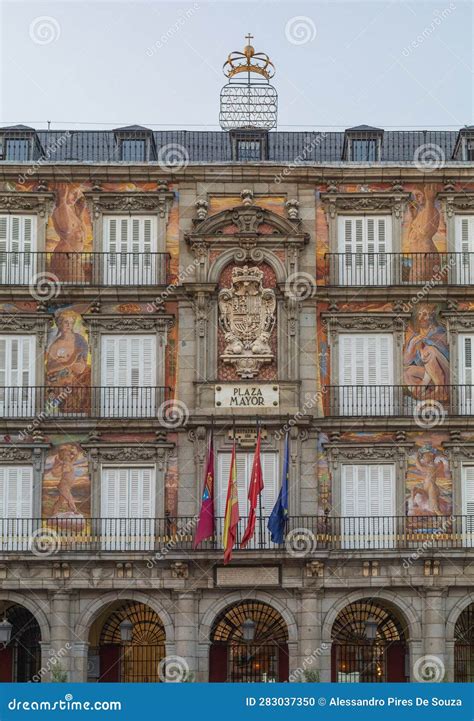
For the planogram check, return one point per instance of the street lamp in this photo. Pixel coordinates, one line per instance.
(5, 631)
(126, 631)
(371, 626)
(248, 630)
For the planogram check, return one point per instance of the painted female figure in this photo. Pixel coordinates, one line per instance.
(426, 357)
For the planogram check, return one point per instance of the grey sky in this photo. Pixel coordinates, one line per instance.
(107, 63)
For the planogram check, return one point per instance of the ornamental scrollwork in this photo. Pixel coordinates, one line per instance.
(340, 452)
(131, 203)
(23, 201)
(362, 202)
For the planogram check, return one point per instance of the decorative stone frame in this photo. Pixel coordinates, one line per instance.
(356, 323)
(344, 453)
(131, 455)
(245, 245)
(29, 324)
(457, 323)
(156, 203)
(455, 204)
(271, 441)
(99, 325)
(460, 453)
(28, 454)
(39, 204)
(391, 203)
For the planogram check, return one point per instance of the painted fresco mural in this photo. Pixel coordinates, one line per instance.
(426, 353)
(428, 478)
(66, 482)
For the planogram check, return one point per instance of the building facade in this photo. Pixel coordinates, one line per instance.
(157, 286)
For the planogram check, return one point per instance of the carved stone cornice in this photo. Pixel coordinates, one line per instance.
(360, 202)
(19, 201)
(358, 452)
(366, 322)
(247, 220)
(128, 323)
(459, 451)
(115, 453)
(24, 454)
(131, 202)
(37, 323)
(457, 202)
(459, 322)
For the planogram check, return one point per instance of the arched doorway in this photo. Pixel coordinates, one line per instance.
(368, 645)
(20, 658)
(128, 644)
(249, 643)
(464, 646)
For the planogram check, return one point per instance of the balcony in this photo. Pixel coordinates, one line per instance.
(84, 269)
(402, 401)
(69, 402)
(305, 535)
(399, 269)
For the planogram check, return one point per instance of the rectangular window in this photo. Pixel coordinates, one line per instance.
(364, 250)
(269, 493)
(130, 244)
(17, 376)
(466, 374)
(366, 374)
(128, 376)
(467, 505)
(133, 150)
(16, 507)
(17, 246)
(470, 150)
(248, 150)
(364, 150)
(368, 506)
(128, 508)
(464, 243)
(17, 149)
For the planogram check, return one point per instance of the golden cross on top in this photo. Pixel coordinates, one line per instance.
(249, 38)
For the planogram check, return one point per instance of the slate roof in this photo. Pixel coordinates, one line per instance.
(100, 146)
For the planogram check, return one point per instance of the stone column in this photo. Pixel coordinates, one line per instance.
(79, 662)
(309, 633)
(434, 626)
(61, 631)
(186, 627)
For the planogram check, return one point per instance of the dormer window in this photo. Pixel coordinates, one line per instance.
(464, 148)
(135, 144)
(363, 144)
(17, 149)
(249, 145)
(19, 143)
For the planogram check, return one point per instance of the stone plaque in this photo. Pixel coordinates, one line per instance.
(247, 395)
(247, 576)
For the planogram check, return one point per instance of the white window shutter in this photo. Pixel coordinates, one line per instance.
(115, 493)
(3, 235)
(465, 358)
(16, 491)
(270, 481)
(385, 360)
(465, 234)
(468, 491)
(110, 355)
(381, 490)
(17, 361)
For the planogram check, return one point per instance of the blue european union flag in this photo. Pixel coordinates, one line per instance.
(278, 517)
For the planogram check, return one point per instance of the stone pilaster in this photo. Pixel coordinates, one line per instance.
(186, 627)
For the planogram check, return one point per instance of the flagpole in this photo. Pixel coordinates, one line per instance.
(260, 522)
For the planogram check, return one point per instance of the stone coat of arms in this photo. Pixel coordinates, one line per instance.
(247, 317)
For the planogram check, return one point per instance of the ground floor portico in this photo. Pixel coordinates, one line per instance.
(185, 631)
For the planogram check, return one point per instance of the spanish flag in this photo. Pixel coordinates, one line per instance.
(232, 518)
(255, 489)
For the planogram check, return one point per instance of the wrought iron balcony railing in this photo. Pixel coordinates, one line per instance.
(405, 269)
(84, 269)
(416, 401)
(305, 535)
(76, 402)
